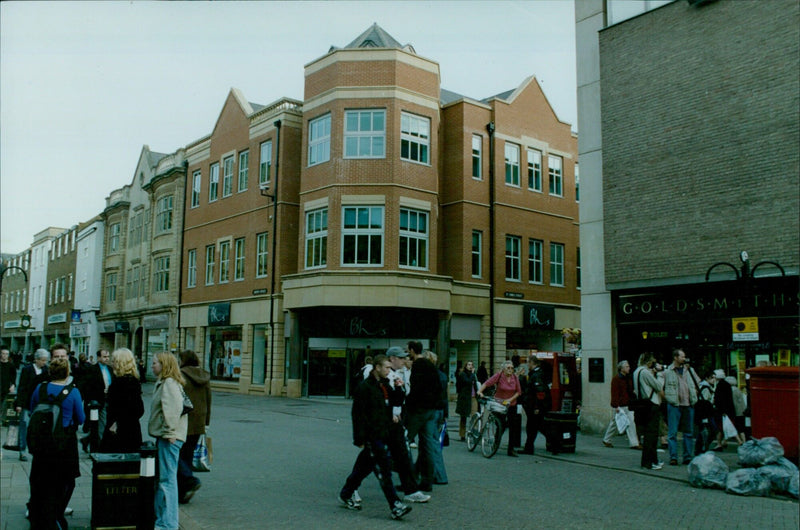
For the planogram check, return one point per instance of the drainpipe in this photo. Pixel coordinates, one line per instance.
(180, 260)
(277, 125)
(490, 130)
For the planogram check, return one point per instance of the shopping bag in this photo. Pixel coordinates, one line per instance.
(622, 421)
(200, 458)
(444, 438)
(728, 430)
(12, 436)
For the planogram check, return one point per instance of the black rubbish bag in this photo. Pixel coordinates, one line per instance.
(708, 471)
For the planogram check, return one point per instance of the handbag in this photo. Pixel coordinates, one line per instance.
(728, 429)
(187, 403)
(201, 458)
(12, 436)
(642, 408)
(622, 421)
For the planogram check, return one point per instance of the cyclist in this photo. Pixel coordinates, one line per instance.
(508, 390)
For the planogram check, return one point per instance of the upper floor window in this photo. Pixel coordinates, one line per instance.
(554, 171)
(227, 176)
(244, 169)
(477, 150)
(534, 170)
(164, 214)
(512, 164)
(535, 261)
(161, 275)
(317, 238)
(413, 238)
(213, 182)
(210, 250)
(362, 235)
(319, 140)
(135, 282)
(195, 201)
(364, 133)
(265, 164)
(113, 238)
(557, 264)
(111, 287)
(415, 133)
(238, 259)
(224, 261)
(512, 258)
(191, 269)
(261, 255)
(477, 244)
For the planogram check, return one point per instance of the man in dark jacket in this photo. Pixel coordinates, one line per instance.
(422, 405)
(29, 379)
(536, 403)
(372, 417)
(96, 381)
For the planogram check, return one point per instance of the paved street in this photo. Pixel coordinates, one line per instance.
(279, 463)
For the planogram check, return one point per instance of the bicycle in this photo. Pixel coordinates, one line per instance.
(486, 426)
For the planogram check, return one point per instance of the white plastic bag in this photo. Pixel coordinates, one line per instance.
(728, 430)
(622, 421)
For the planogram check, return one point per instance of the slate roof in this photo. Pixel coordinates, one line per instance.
(153, 158)
(448, 96)
(376, 37)
(501, 95)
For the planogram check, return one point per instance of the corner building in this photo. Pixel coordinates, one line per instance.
(383, 230)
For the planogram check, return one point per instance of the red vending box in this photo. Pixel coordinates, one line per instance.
(774, 405)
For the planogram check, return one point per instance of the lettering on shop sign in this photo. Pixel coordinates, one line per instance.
(357, 329)
(538, 316)
(655, 306)
(219, 314)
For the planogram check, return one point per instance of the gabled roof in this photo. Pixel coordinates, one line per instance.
(376, 37)
(153, 158)
(502, 95)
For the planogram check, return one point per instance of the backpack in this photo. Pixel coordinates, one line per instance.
(46, 432)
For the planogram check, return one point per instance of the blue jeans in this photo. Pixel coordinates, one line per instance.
(683, 418)
(439, 471)
(424, 423)
(166, 502)
(24, 417)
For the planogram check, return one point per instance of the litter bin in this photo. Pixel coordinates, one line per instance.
(147, 485)
(115, 490)
(773, 405)
(560, 431)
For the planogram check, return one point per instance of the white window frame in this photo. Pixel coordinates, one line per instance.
(511, 164)
(213, 182)
(374, 216)
(535, 170)
(557, 264)
(536, 261)
(375, 138)
(415, 131)
(113, 237)
(238, 259)
(224, 261)
(319, 140)
(164, 214)
(262, 254)
(244, 171)
(111, 287)
(265, 163)
(196, 183)
(414, 238)
(477, 253)
(513, 257)
(161, 274)
(210, 263)
(477, 156)
(135, 281)
(555, 165)
(316, 238)
(227, 176)
(191, 268)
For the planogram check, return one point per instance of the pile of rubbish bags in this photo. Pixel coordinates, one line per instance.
(764, 470)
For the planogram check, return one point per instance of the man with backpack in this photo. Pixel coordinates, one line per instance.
(56, 413)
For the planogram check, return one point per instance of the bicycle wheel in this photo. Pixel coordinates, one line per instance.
(490, 442)
(473, 431)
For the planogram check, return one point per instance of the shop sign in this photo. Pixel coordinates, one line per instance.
(376, 323)
(122, 326)
(745, 329)
(12, 324)
(156, 321)
(219, 314)
(538, 316)
(75, 315)
(80, 329)
(259, 291)
(57, 319)
(105, 327)
(512, 294)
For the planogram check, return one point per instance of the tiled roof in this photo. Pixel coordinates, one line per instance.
(447, 96)
(376, 37)
(501, 95)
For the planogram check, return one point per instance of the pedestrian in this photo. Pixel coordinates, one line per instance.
(423, 412)
(142, 370)
(537, 402)
(168, 425)
(483, 373)
(723, 405)
(704, 422)
(466, 389)
(199, 391)
(95, 389)
(52, 476)
(681, 396)
(442, 412)
(739, 406)
(8, 375)
(647, 386)
(29, 378)
(508, 390)
(123, 433)
(621, 390)
(372, 416)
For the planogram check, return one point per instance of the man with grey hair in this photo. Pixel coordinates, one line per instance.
(29, 379)
(621, 391)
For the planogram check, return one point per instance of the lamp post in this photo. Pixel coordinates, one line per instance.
(746, 272)
(274, 197)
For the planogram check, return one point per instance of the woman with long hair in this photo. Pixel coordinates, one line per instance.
(125, 407)
(168, 426)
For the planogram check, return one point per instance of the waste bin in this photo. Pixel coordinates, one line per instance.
(773, 405)
(115, 490)
(560, 431)
(147, 485)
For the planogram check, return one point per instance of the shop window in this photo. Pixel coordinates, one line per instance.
(224, 345)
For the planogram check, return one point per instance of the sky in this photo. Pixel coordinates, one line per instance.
(84, 85)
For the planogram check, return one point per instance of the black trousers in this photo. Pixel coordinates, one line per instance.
(401, 459)
(532, 428)
(650, 432)
(374, 458)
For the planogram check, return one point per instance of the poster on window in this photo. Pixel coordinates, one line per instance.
(232, 360)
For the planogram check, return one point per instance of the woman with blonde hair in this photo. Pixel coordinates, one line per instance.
(168, 425)
(124, 400)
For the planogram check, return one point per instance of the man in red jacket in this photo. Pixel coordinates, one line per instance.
(621, 390)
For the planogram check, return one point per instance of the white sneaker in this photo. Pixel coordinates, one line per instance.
(68, 511)
(356, 497)
(413, 445)
(417, 496)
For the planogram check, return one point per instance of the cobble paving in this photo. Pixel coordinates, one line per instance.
(279, 463)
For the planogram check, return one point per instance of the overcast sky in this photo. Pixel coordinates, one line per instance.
(83, 85)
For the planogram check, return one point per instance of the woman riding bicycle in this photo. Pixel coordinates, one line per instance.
(508, 390)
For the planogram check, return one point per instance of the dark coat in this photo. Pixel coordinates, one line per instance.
(621, 390)
(372, 416)
(28, 381)
(425, 393)
(125, 407)
(8, 377)
(199, 392)
(94, 386)
(537, 393)
(723, 399)
(466, 383)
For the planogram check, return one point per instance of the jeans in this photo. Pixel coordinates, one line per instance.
(439, 471)
(166, 501)
(683, 418)
(424, 423)
(374, 458)
(24, 416)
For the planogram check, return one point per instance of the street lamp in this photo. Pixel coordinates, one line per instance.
(264, 189)
(746, 273)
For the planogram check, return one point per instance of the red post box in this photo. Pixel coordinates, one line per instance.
(774, 405)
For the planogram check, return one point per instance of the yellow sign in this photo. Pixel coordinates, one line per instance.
(745, 328)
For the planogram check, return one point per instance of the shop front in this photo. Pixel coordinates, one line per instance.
(730, 325)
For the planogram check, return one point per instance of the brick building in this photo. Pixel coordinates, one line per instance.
(688, 113)
(14, 300)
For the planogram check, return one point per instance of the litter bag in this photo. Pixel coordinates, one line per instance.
(708, 471)
(780, 474)
(748, 482)
(794, 485)
(756, 453)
